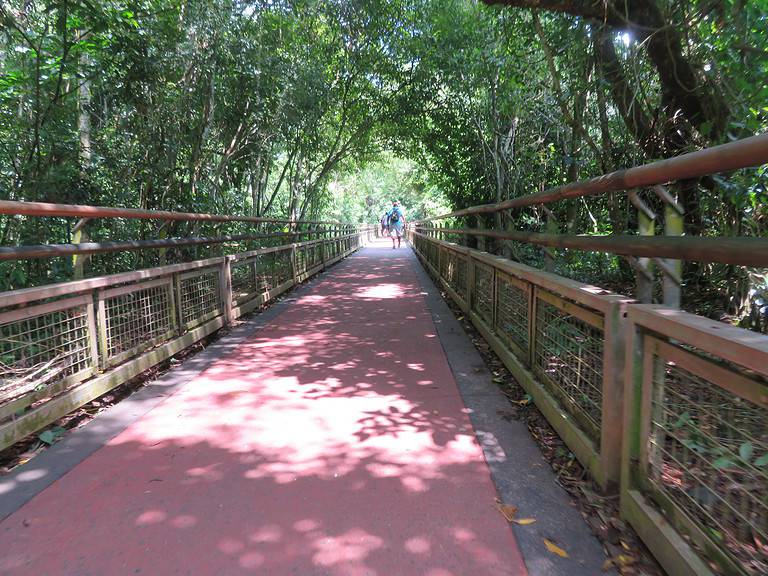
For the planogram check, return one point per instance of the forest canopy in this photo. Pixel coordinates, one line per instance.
(315, 109)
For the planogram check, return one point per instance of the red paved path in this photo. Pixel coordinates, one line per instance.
(332, 442)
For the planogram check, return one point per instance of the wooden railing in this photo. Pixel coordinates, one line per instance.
(64, 345)
(666, 406)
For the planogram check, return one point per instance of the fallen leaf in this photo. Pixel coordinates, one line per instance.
(524, 521)
(507, 511)
(625, 546)
(555, 549)
(625, 560)
(607, 565)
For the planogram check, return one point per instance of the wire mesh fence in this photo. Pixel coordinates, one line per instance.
(568, 357)
(199, 296)
(483, 301)
(562, 341)
(135, 318)
(245, 280)
(512, 313)
(45, 344)
(707, 454)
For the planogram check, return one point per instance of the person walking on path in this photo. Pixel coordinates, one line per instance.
(396, 221)
(385, 224)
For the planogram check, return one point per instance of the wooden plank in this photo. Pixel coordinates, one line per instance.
(742, 251)
(103, 330)
(633, 375)
(668, 547)
(692, 529)
(10, 408)
(611, 426)
(259, 252)
(202, 272)
(225, 289)
(261, 299)
(83, 211)
(120, 290)
(591, 296)
(645, 410)
(742, 347)
(730, 380)
(587, 316)
(93, 334)
(42, 292)
(42, 309)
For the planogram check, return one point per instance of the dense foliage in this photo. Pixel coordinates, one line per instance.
(308, 109)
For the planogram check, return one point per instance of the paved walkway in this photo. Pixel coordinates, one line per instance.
(332, 441)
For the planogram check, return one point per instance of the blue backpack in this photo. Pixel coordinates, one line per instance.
(394, 216)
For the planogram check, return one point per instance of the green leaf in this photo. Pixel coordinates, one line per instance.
(745, 451)
(50, 435)
(722, 462)
(684, 418)
(762, 461)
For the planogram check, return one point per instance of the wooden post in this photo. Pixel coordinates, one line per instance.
(552, 228)
(162, 234)
(103, 329)
(613, 397)
(482, 243)
(176, 283)
(80, 260)
(225, 288)
(645, 225)
(673, 226)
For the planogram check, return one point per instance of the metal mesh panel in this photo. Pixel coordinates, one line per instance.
(568, 353)
(245, 283)
(301, 260)
(511, 312)
(266, 278)
(708, 453)
(199, 296)
(282, 269)
(43, 348)
(447, 261)
(434, 254)
(135, 318)
(483, 293)
(461, 276)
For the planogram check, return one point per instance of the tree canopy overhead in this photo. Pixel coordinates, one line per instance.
(286, 107)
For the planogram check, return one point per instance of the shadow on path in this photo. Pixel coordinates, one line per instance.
(333, 441)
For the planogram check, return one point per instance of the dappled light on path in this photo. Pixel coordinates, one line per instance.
(334, 442)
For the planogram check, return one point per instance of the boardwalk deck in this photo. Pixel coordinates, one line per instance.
(332, 441)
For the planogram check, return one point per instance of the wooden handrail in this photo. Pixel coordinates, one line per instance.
(738, 251)
(744, 153)
(13, 207)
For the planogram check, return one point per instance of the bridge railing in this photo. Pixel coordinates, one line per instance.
(670, 407)
(696, 424)
(560, 338)
(63, 345)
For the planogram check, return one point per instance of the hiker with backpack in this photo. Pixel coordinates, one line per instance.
(396, 223)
